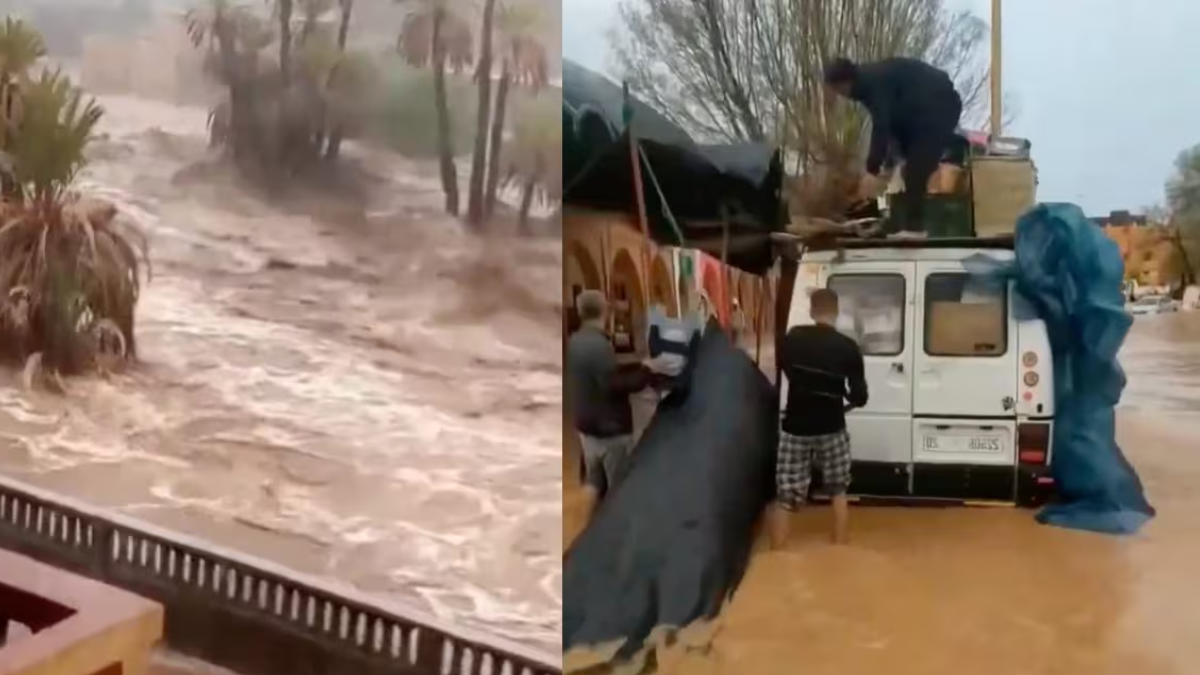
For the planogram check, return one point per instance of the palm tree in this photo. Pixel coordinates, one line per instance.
(69, 271)
(533, 163)
(283, 10)
(233, 39)
(346, 8)
(312, 11)
(20, 48)
(483, 79)
(523, 60)
(343, 35)
(433, 35)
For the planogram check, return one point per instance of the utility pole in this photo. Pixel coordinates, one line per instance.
(997, 89)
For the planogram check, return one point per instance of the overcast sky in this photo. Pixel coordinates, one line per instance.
(1107, 90)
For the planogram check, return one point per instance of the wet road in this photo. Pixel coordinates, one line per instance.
(988, 591)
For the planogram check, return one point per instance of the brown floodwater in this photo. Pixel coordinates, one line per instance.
(355, 388)
(987, 590)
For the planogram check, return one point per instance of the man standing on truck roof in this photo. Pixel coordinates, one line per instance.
(824, 371)
(914, 106)
(598, 394)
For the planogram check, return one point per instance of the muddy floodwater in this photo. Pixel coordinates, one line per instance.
(988, 591)
(353, 388)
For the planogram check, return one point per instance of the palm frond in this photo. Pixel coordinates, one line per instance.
(523, 52)
(21, 46)
(415, 41)
(535, 156)
(55, 129)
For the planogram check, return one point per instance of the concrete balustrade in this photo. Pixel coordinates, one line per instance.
(56, 623)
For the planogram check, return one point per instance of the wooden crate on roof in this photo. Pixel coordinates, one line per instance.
(1003, 188)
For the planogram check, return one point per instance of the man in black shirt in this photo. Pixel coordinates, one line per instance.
(914, 106)
(824, 370)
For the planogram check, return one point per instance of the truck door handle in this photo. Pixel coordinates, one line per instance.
(898, 367)
(1008, 402)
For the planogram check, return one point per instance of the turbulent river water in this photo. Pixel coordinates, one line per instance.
(366, 394)
(988, 591)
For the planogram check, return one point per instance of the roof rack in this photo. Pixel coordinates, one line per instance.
(788, 242)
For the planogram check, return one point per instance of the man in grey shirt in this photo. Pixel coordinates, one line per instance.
(598, 394)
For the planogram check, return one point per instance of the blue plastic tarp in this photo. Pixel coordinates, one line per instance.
(1069, 275)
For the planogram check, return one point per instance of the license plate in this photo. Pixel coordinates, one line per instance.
(950, 442)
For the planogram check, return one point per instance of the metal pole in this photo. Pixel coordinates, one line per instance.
(635, 159)
(996, 73)
(726, 302)
(758, 319)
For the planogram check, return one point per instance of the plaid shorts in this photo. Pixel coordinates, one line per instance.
(794, 462)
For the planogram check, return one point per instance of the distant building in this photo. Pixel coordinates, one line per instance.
(1149, 250)
(1121, 219)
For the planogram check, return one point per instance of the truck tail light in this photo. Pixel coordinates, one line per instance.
(1033, 443)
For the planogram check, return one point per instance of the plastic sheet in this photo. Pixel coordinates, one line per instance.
(1071, 274)
(672, 542)
(672, 344)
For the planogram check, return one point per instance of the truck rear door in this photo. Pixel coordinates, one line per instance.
(876, 303)
(965, 385)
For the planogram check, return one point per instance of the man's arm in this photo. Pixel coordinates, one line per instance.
(876, 96)
(856, 395)
(619, 380)
(629, 380)
(881, 126)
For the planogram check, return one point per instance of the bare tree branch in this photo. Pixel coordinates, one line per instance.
(752, 69)
(695, 61)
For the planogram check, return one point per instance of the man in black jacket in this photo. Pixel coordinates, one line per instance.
(598, 393)
(915, 108)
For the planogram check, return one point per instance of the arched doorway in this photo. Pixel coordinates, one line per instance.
(662, 291)
(628, 302)
(580, 273)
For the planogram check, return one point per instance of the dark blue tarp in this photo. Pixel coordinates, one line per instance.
(1071, 274)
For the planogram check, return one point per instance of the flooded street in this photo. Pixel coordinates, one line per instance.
(367, 394)
(987, 590)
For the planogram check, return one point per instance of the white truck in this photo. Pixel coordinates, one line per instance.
(961, 392)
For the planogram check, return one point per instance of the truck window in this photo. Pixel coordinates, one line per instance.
(965, 316)
(871, 311)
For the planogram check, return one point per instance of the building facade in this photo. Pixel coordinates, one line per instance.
(606, 251)
(1150, 250)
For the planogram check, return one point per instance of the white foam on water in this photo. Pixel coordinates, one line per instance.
(336, 410)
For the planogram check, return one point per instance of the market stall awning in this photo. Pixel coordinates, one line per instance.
(692, 191)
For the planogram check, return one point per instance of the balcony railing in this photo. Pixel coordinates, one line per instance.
(248, 614)
(71, 625)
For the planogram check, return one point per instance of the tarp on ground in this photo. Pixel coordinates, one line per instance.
(671, 543)
(1071, 274)
(688, 187)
